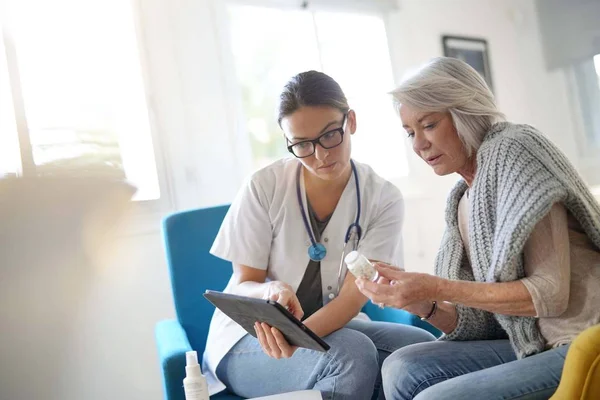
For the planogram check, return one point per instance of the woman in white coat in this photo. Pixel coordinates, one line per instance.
(284, 235)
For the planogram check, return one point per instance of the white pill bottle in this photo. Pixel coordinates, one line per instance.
(360, 266)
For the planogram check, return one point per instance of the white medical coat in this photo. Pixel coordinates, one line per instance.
(264, 229)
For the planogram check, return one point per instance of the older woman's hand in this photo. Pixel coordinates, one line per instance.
(407, 290)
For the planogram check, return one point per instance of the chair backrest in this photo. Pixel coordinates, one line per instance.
(188, 237)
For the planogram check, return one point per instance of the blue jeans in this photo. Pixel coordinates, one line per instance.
(349, 370)
(486, 369)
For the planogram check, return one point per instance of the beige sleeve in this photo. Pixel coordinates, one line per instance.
(547, 263)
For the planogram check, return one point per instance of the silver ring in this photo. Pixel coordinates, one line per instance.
(381, 305)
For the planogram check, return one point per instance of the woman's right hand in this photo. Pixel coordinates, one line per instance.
(403, 289)
(421, 308)
(271, 339)
(284, 295)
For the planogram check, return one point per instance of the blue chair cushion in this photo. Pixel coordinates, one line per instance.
(188, 238)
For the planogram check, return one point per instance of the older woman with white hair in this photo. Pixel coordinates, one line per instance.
(517, 276)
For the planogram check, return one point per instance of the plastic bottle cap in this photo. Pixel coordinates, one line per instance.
(191, 358)
(192, 368)
(351, 257)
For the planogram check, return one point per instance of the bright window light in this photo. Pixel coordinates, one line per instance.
(359, 60)
(9, 146)
(271, 45)
(597, 66)
(83, 91)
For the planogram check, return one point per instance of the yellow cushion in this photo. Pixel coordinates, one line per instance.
(581, 374)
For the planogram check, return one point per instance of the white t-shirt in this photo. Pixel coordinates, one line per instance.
(264, 229)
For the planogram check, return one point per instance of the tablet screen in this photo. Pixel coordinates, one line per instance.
(247, 310)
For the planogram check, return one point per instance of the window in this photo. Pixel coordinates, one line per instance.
(270, 45)
(584, 82)
(597, 67)
(587, 87)
(72, 88)
(594, 133)
(9, 145)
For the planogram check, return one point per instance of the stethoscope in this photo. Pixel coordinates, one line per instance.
(317, 251)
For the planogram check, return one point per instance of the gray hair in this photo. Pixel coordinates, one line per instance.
(450, 85)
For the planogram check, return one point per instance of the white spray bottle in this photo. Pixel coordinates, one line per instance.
(194, 384)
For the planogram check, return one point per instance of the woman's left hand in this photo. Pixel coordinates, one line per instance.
(404, 288)
(272, 341)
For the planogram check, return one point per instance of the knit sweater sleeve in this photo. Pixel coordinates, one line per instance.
(520, 175)
(472, 323)
(475, 324)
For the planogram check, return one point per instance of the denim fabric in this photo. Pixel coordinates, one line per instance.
(350, 370)
(486, 369)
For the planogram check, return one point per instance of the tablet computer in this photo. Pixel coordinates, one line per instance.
(248, 310)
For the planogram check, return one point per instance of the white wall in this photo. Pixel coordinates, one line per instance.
(115, 355)
(204, 165)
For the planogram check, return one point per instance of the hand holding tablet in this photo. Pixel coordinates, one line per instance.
(246, 311)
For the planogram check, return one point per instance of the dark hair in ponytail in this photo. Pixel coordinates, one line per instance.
(311, 88)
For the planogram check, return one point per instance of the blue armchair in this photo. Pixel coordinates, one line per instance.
(188, 236)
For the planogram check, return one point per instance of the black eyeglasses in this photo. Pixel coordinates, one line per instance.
(327, 140)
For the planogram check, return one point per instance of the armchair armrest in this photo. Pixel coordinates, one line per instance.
(172, 344)
(580, 377)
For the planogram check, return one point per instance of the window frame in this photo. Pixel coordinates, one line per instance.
(27, 167)
(588, 151)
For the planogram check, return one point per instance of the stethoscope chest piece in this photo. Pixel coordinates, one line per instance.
(317, 252)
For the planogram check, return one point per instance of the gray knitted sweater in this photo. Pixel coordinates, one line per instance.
(520, 175)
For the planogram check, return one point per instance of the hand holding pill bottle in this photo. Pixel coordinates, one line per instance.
(360, 266)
